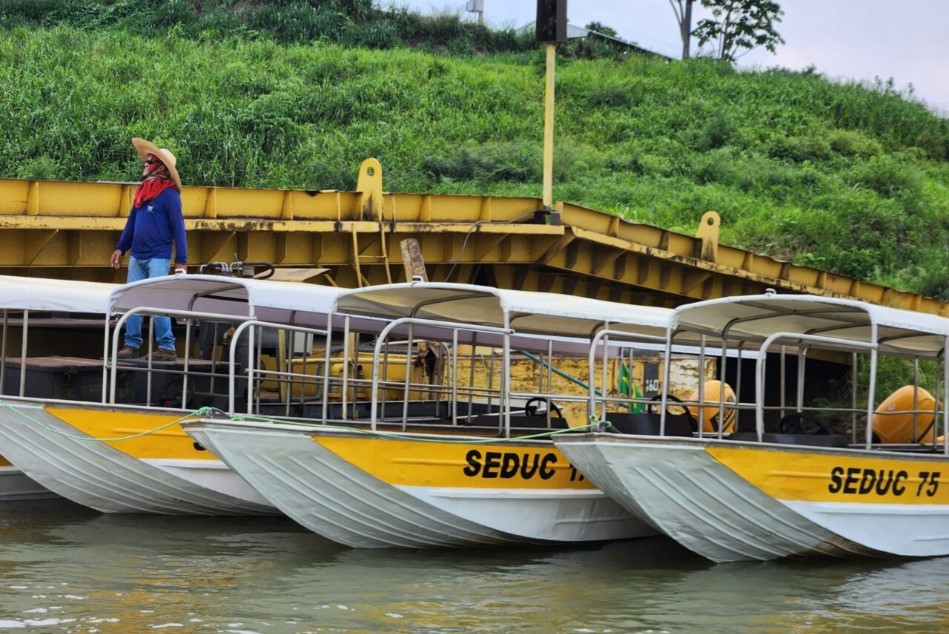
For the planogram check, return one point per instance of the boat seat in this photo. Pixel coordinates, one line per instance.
(520, 421)
(537, 422)
(647, 424)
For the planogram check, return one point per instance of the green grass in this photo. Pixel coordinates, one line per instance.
(848, 178)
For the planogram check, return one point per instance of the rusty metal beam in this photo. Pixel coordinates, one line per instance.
(68, 230)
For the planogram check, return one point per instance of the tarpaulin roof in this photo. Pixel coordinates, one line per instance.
(756, 317)
(267, 300)
(527, 312)
(39, 293)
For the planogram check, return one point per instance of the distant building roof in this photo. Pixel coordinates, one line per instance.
(574, 32)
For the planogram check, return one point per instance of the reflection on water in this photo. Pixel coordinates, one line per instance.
(66, 569)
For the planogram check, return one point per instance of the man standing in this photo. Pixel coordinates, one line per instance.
(154, 224)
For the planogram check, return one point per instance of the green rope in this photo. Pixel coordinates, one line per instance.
(198, 413)
(250, 418)
(209, 411)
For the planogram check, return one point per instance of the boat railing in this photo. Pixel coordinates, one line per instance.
(331, 383)
(797, 338)
(412, 375)
(452, 338)
(186, 371)
(479, 384)
(256, 373)
(799, 422)
(612, 349)
(44, 354)
(409, 399)
(193, 382)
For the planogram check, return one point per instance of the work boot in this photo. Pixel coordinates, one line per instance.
(128, 352)
(164, 355)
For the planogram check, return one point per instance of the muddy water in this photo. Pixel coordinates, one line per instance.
(66, 569)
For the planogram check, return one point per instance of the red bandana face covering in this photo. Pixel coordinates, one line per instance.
(151, 187)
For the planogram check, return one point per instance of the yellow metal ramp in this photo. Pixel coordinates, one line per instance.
(68, 230)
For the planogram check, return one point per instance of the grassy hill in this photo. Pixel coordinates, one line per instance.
(849, 178)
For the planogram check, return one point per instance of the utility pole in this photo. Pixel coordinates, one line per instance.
(687, 29)
(551, 30)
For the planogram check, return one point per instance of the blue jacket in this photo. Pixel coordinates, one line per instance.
(152, 228)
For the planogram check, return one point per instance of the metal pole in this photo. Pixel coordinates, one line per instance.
(549, 126)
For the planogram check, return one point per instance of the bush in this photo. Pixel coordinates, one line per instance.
(486, 164)
(887, 177)
(716, 133)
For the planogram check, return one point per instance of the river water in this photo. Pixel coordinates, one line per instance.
(67, 569)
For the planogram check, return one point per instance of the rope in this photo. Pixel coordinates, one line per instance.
(198, 413)
(592, 426)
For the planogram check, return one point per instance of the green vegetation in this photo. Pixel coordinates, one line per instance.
(849, 178)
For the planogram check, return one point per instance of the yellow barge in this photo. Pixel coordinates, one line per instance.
(67, 230)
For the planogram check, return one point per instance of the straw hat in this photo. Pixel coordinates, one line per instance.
(144, 148)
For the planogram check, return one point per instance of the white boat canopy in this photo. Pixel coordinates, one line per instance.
(527, 312)
(266, 300)
(753, 318)
(39, 293)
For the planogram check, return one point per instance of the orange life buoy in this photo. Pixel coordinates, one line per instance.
(895, 420)
(711, 393)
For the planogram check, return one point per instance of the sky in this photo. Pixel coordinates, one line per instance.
(845, 40)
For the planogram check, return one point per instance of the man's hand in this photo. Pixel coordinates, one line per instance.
(180, 270)
(116, 258)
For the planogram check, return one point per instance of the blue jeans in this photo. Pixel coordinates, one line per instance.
(141, 270)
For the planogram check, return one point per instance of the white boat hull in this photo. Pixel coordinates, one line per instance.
(96, 474)
(731, 501)
(213, 475)
(338, 497)
(16, 486)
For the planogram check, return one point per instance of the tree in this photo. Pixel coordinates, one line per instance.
(738, 24)
(683, 12)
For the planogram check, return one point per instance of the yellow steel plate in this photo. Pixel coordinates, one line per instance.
(436, 463)
(143, 435)
(791, 475)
